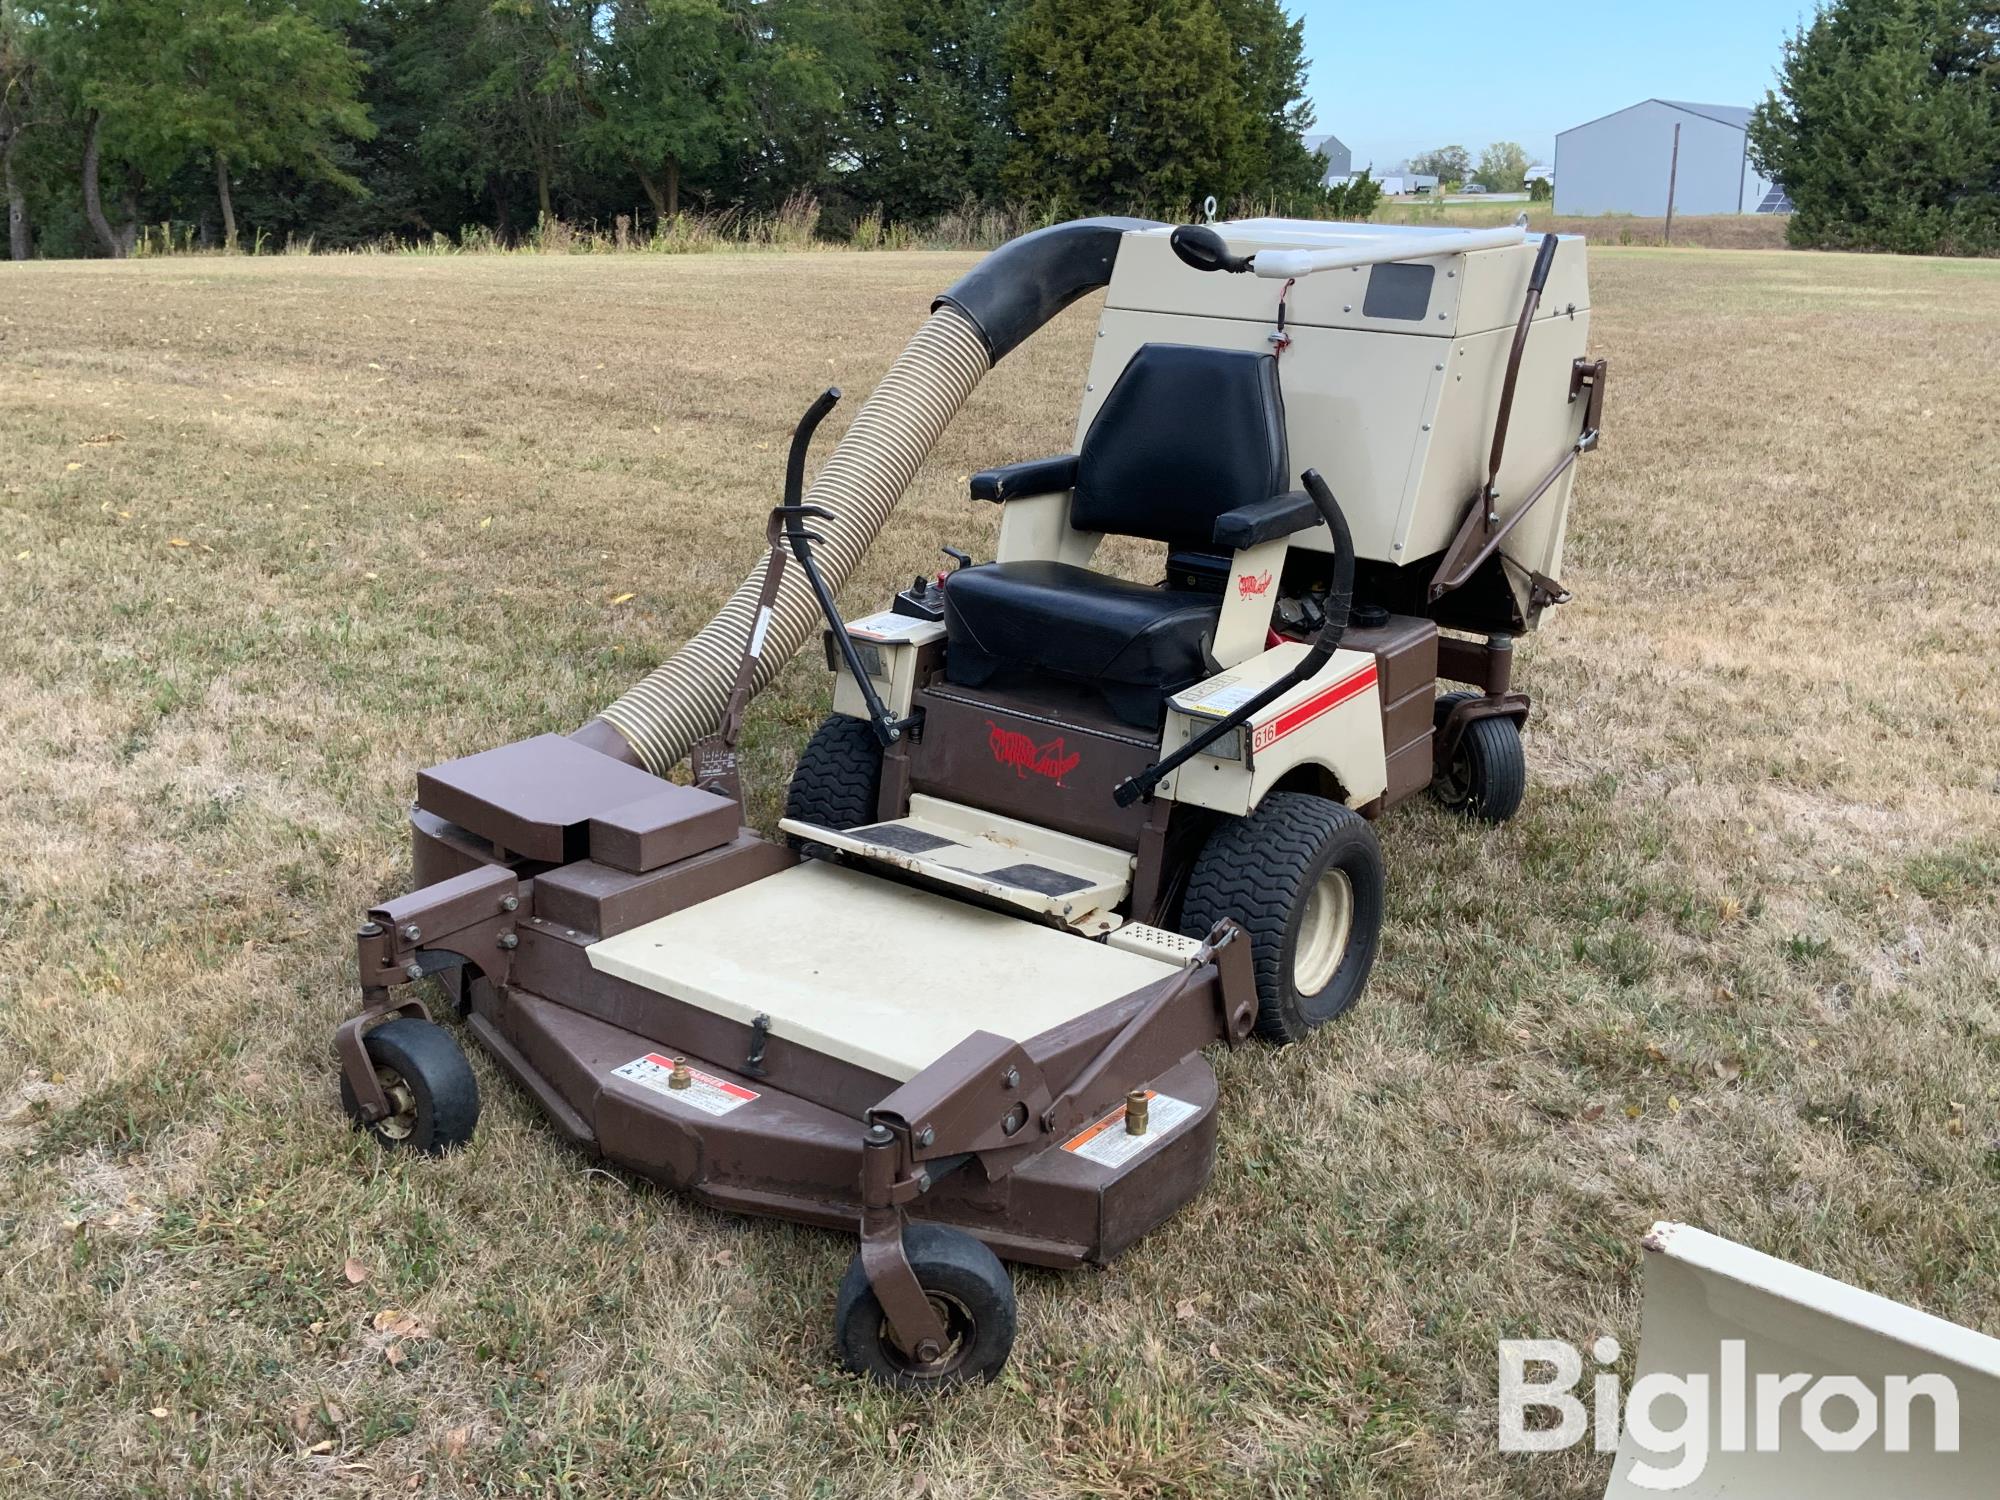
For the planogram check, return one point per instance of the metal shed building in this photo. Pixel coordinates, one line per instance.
(1620, 164)
(1338, 160)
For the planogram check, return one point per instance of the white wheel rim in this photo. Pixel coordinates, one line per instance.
(1323, 932)
(401, 1123)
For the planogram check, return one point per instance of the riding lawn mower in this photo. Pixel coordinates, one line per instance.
(1112, 822)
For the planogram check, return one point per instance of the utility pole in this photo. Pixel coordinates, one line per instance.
(1673, 177)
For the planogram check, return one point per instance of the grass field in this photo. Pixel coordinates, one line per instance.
(274, 534)
(1691, 231)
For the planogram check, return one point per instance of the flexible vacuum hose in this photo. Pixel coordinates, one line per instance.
(972, 326)
(682, 699)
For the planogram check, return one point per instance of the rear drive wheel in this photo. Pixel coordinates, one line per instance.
(1303, 877)
(433, 1096)
(838, 777)
(973, 1296)
(1488, 771)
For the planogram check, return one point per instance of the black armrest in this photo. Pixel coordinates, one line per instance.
(1266, 520)
(1035, 476)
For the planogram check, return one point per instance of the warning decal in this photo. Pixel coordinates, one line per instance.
(704, 1091)
(1109, 1144)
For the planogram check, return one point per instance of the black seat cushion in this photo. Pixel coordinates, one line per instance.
(1186, 434)
(1136, 644)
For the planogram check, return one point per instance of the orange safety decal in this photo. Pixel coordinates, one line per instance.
(1324, 701)
(702, 1091)
(1109, 1144)
(1253, 586)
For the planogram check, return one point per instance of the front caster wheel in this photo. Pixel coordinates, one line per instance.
(1488, 772)
(973, 1296)
(431, 1089)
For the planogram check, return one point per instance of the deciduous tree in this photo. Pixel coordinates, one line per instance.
(1503, 167)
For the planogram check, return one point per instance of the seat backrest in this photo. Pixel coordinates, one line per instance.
(1186, 434)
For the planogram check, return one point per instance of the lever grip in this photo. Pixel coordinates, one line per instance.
(1202, 248)
(1544, 258)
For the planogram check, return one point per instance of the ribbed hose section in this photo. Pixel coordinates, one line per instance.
(682, 699)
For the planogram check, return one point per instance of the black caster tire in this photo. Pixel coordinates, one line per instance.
(1303, 877)
(422, 1070)
(838, 778)
(966, 1284)
(1488, 773)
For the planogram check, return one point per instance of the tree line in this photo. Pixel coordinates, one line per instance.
(352, 121)
(1502, 168)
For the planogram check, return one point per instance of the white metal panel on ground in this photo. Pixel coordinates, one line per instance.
(876, 974)
(1729, 1314)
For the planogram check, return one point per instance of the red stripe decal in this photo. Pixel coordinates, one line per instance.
(1324, 701)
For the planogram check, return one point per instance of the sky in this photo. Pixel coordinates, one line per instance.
(1392, 80)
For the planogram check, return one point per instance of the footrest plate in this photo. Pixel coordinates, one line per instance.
(1071, 880)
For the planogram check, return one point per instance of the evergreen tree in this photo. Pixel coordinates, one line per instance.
(1885, 127)
(1125, 104)
(1270, 50)
(930, 126)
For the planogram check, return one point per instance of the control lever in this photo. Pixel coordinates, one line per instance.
(1339, 600)
(792, 517)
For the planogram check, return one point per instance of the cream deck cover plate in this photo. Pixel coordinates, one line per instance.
(868, 971)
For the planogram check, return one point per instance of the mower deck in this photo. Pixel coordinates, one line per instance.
(874, 973)
(1053, 875)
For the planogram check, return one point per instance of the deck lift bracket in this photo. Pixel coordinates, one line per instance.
(467, 919)
(987, 1100)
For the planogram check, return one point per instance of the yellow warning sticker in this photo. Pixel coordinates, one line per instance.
(1110, 1144)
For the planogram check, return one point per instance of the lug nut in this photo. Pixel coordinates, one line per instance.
(680, 1077)
(411, 932)
(1136, 1112)
(510, 903)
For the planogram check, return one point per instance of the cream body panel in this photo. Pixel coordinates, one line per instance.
(1545, 425)
(1470, 293)
(1247, 599)
(813, 946)
(1355, 408)
(896, 639)
(1344, 737)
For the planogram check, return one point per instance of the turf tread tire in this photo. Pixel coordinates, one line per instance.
(946, 1260)
(1495, 765)
(838, 779)
(440, 1079)
(1258, 870)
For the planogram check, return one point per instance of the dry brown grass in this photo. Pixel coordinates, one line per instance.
(1691, 231)
(1735, 963)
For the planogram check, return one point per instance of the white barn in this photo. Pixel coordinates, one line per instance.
(1620, 164)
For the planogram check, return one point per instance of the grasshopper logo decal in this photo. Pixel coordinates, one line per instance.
(1250, 586)
(1012, 748)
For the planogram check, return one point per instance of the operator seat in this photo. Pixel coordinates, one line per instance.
(1186, 436)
